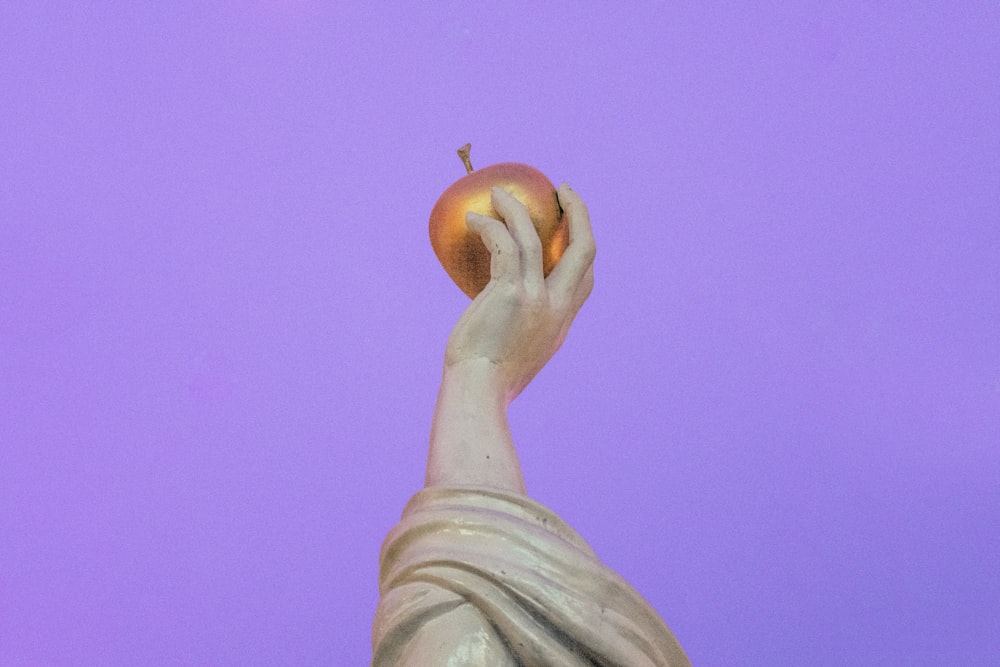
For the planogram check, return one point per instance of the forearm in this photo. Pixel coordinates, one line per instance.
(511, 329)
(470, 442)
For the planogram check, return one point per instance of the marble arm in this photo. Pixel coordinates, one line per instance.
(476, 572)
(503, 340)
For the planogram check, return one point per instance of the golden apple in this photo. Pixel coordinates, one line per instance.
(461, 251)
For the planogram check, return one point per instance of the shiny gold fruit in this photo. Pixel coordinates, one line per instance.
(461, 252)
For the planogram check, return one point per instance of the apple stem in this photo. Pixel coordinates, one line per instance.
(463, 153)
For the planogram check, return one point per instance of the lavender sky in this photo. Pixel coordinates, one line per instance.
(222, 324)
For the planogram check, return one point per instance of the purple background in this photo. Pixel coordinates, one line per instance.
(222, 324)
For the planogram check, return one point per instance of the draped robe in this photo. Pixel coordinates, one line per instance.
(482, 577)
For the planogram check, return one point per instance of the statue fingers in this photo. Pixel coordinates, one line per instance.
(572, 307)
(577, 261)
(515, 214)
(504, 255)
(582, 291)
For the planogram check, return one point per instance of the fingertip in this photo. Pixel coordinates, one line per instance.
(566, 193)
(498, 192)
(475, 224)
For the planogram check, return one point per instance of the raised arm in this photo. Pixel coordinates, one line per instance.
(475, 572)
(502, 340)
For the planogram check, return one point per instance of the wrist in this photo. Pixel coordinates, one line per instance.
(478, 381)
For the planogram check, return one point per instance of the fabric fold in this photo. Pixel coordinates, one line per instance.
(532, 580)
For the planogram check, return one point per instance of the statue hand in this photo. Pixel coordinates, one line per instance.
(515, 325)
